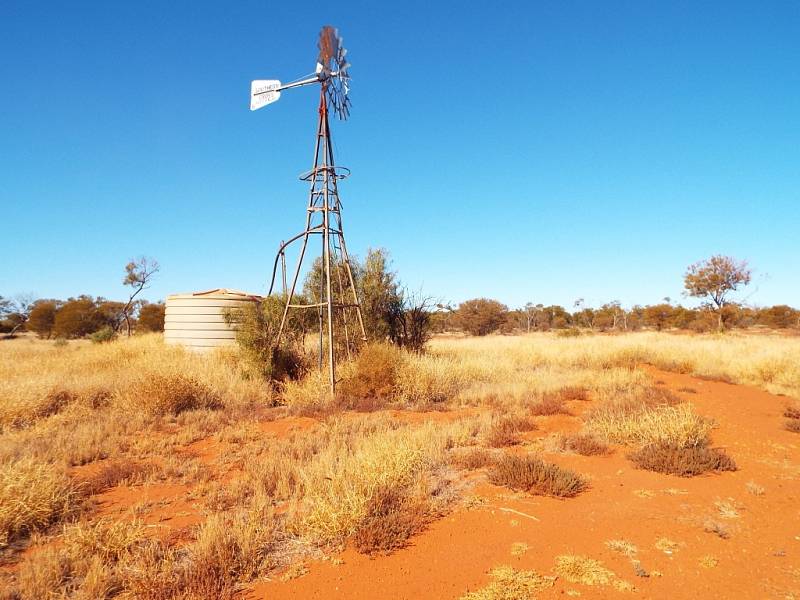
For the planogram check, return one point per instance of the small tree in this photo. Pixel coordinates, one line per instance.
(151, 317)
(416, 321)
(42, 317)
(481, 316)
(77, 317)
(715, 279)
(138, 274)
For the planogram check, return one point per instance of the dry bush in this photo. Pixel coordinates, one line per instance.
(373, 381)
(509, 584)
(792, 425)
(573, 392)
(792, 412)
(719, 529)
(172, 394)
(584, 444)
(391, 518)
(679, 460)
(550, 404)
(533, 475)
(471, 458)
(504, 431)
(33, 496)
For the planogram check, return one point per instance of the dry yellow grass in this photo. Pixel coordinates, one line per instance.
(771, 362)
(339, 482)
(32, 496)
(626, 423)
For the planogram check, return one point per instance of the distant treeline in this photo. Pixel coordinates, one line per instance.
(77, 317)
(482, 315)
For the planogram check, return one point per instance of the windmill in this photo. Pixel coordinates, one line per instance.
(324, 211)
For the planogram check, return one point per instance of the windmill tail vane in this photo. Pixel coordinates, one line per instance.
(334, 297)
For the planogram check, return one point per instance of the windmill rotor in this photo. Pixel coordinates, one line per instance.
(331, 73)
(332, 68)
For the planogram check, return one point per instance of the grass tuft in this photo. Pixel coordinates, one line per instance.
(33, 496)
(173, 394)
(509, 584)
(533, 475)
(582, 569)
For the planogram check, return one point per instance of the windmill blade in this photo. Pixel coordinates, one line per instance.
(329, 46)
(263, 92)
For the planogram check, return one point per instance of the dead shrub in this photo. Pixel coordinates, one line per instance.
(374, 378)
(792, 412)
(471, 458)
(550, 404)
(391, 519)
(689, 461)
(584, 444)
(793, 425)
(533, 475)
(504, 431)
(173, 394)
(719, 529)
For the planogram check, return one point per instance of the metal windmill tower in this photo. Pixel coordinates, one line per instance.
(324, 211)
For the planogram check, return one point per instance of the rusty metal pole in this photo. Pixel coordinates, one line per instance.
(327, 246)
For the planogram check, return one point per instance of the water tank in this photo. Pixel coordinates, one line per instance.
(196, 320)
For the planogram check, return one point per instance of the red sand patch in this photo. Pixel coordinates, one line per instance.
(164, 507)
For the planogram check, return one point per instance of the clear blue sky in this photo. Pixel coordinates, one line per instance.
(523, 151)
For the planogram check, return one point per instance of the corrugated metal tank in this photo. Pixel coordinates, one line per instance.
(196, 320)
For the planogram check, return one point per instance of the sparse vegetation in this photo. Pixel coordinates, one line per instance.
(268, 502)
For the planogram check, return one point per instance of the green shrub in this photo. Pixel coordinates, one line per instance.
(257, 326)
(104, 334)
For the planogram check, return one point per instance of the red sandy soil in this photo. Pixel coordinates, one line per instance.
(761, 558)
